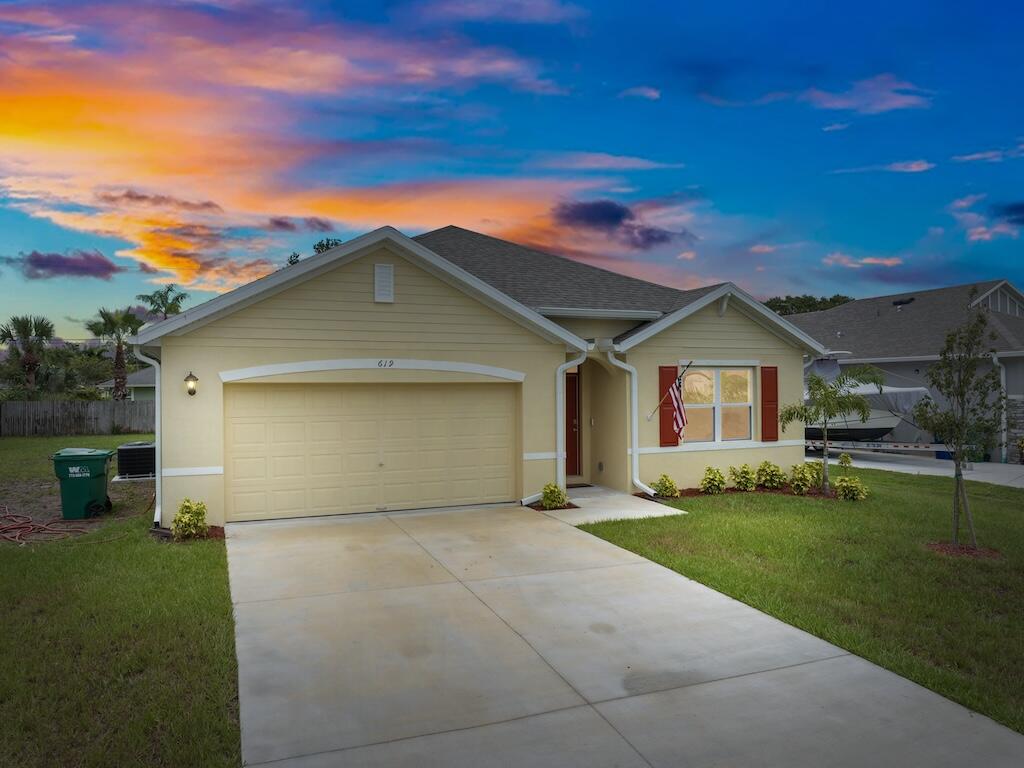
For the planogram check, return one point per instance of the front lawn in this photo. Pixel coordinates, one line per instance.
(115, 649)
(860, 576)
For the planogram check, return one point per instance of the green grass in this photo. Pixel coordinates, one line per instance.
(859, 575)
(115, 649)
(28, 458)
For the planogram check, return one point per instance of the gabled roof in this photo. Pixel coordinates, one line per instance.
(906, 325)
(353, 249)
(725, 293)
(144, 377)
(551, 284)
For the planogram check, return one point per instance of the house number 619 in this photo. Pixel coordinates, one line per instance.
(385, 363)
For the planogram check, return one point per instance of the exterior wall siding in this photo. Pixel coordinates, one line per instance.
(334, 317)
(709, 337)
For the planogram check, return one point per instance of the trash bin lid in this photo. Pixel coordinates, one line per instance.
(74, 454)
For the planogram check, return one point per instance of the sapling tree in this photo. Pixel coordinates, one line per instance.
(828, 401)
(974, 408)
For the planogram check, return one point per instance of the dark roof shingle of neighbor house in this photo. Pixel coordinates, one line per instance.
(544, 281)
(910, 324)
(144, 377)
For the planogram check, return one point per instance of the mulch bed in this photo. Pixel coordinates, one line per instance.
(685, 493)
(540, 508)
(962, 550)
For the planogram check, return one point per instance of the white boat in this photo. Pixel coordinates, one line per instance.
(879, 424)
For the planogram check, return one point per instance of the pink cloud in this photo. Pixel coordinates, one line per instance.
(839, 259)
(763, 248)
(910, 166)
(687, 255)
(966, 202)
(641, 92)
(832, 127)
(881, 93)
(515, 11)
(601, 161)
(44, 266)
(992, 155)
(903, 166)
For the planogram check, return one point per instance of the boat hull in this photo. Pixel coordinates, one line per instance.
(878, 425)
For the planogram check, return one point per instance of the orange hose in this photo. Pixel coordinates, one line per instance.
(22, 529)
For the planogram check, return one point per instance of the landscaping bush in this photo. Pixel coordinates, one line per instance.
(664, 486)
(713, 481)
(190, 522)
(743, 478)
(553, 496)
(801, 478)
(850, 489)
(845, 460)
(816, 470)
(770, 475)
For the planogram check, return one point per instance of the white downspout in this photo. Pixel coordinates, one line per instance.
(560, 417)
(634, 421)
(157, 518)
(1004, 427)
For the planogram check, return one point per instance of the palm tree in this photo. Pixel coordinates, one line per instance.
(166, 301)
(26, 337)
(827, 401)
(116, 325)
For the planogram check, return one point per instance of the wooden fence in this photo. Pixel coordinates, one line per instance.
(76, 417)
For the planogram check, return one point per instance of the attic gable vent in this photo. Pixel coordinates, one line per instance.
(384, 283)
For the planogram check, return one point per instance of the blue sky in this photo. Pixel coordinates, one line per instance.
(861, 148)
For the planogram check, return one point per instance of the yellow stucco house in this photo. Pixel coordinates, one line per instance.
(454, 368)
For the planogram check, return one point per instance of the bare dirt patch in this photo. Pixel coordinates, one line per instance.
(962, 550)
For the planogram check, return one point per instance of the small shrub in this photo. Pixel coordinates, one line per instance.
(845, 460)
(801, 478)
(817, 471)
(190, 522)
(770, 475)
(553, 496)
(850, 489)
(713, 481)
(743, 478)
(664, 486)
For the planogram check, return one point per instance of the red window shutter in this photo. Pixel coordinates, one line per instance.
(769, 403)
(666, 378)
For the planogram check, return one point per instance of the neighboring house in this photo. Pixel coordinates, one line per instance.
(454, 368)
(141, 384)
(903, 334)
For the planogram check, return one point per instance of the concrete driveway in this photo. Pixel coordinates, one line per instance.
(505, 637)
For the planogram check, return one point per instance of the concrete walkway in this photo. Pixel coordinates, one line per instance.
(502, 637)
(1011, 475)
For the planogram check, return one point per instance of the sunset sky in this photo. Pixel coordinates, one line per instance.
(863, 148)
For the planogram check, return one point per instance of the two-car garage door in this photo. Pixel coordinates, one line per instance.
(321, 449)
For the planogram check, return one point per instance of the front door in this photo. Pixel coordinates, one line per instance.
(572, 423)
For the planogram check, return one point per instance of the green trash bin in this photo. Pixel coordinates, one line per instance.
(83, 474)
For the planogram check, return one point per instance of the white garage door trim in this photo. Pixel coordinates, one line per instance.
(370, 363)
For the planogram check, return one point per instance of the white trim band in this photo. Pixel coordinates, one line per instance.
(728, 445)
(191, 471)
(540, 455)
(721, 363)
(382, 364)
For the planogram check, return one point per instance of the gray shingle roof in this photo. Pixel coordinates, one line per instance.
(539, 279)
(144, 377)
(908, 324)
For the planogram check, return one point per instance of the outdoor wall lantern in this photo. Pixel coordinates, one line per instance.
(190, 383)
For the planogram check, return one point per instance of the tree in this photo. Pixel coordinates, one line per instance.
(794, 305)
(975, 404)
(26, 337)
(116, 325)
(293, 258)
(827, 401)
(165, 302)
(326, 244)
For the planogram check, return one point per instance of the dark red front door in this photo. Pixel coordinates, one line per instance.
(572, 423)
